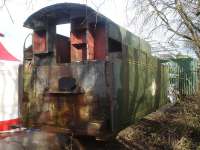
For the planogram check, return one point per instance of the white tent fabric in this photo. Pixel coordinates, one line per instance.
(8, 90)
(9, 95)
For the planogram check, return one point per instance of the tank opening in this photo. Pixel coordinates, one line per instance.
(67, 84)
(63, 29)
(114, 46)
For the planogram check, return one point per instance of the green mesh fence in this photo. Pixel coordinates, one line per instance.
(183, 75)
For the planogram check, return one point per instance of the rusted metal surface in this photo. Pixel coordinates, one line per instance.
(78, 109)
(100, 41)
(90, 45)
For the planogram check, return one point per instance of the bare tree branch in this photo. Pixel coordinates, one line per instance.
(179, 17)
(3, 4)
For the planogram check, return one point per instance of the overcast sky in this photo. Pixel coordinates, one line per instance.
(19, 10)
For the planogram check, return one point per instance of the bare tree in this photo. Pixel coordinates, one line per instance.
(180, 19)
(2, 5)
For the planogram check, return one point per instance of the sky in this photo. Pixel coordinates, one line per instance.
(20, 10)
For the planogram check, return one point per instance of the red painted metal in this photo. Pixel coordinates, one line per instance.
(78, 52)
(82, 41)
(100, 42)
(90, 48)
(78, 45)
(89, 44)
(62, 49)
(78, 37)
(39, 41)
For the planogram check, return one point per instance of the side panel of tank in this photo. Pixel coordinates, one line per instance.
(139, 89)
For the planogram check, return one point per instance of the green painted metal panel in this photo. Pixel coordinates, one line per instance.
(141, 84)
(144, 46)
(127, 38)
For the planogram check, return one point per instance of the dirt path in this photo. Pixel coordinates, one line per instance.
(172, 127)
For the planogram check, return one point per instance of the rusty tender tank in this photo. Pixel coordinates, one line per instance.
(96, 81)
